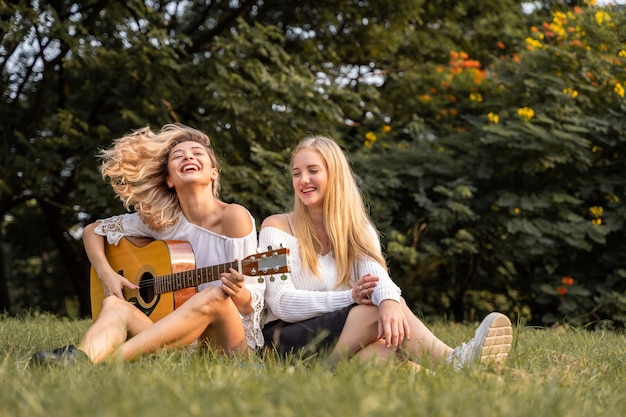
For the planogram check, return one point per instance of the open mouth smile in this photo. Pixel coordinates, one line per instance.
(189, 168)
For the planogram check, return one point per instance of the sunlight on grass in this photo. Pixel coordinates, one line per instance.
(564, 372)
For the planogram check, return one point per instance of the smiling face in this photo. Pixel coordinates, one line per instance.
(309, 178)
(189, 163)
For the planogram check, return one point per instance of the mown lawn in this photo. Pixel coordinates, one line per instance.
(564, 372)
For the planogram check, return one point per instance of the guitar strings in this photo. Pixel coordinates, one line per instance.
(150, 281)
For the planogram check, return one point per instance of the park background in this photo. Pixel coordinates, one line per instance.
(488, 136)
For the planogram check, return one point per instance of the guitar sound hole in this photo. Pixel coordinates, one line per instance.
(146, 288)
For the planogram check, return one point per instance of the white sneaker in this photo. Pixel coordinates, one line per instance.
(490, 345)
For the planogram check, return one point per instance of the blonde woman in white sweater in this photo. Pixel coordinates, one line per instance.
(339, 297)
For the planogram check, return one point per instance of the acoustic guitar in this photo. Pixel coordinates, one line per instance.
(166, 275)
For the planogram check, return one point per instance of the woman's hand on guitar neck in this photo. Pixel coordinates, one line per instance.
(233, 286)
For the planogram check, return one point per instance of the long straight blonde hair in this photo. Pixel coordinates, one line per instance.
(137, 167)
(351, 232)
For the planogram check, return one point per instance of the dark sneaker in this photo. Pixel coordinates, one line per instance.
(62, 356)
(490, 345)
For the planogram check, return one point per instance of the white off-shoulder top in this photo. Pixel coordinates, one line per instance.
(209, 249)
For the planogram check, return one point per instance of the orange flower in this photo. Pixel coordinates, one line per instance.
(500, 45)
(426, 98)
(470, 63)
(567, 280)
(561, 290)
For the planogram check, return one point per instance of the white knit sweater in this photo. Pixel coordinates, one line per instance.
(300, 295)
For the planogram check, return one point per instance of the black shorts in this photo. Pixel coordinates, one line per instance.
(315, 335)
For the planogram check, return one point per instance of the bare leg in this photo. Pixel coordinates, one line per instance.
(361, 329)
(117, 320)
(423, 341)
(210, 315)
(378, 351)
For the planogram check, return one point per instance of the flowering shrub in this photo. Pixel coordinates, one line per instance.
(515, 172)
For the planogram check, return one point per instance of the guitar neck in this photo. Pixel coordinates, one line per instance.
(191, 278)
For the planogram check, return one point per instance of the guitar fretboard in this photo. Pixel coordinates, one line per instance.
(191, 278)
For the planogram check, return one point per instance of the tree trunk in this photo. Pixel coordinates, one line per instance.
(5, 300)
(73, 259)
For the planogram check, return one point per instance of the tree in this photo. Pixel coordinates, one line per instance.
(78, 74)
(428, 99)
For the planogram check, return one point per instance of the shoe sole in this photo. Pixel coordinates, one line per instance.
(498, 341)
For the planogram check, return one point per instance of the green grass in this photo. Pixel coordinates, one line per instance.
(565, 372)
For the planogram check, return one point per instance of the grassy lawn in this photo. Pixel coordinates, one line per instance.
(564, 372)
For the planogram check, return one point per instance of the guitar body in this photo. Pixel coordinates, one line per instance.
(140, 260)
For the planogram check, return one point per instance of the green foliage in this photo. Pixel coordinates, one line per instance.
(533, 173)
(490, 151)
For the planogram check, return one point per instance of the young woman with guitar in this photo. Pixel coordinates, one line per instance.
(171, 180)
(339, 295)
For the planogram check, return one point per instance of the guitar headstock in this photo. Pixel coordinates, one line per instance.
(273, 261)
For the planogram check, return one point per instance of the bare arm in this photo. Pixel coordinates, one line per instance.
(112, 282)
(236, 223)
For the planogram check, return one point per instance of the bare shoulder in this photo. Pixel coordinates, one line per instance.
(279, 221)
(236, 221)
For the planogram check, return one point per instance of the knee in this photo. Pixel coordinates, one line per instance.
(368, 314)
(209, 300)
(114, 303)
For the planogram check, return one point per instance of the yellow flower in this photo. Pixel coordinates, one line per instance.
(370, 138)
(571, 92)
(526, 113)
(476, 97)
(386, 128)
(619, 89)
(516, 210)
(493, 118)
(596, 211)
(533, 43)
(622, 54)
(602, 16)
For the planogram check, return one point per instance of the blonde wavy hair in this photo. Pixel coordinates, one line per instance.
(350, 230)
(137, 167)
